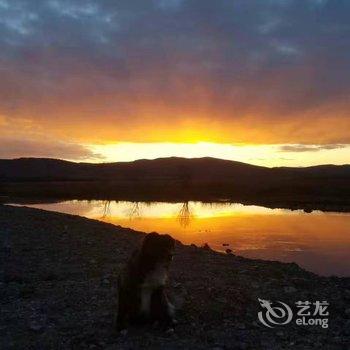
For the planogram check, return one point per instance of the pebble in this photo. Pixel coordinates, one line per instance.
(290, 289)
(170, 331)
(124, 332)
(242, 345)
(35, 326)
(241, 326)
(206, 246)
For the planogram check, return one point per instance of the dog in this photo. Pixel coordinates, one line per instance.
(142, 284)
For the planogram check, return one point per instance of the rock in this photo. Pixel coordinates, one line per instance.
(36, 326)
(170, 331)
(123, 332)
(222, 300)
(255, 285)
(290, 289)
(241, 326)
(111, 347)
(206, 246)
(242, 345)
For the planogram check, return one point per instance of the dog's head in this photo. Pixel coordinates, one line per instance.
(158, 248)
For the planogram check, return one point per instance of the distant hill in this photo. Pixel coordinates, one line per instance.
(40, 168)
(179, 168)
(174, 179)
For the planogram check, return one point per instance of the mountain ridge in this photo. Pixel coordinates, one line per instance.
(326, 187)
(145, 160)
(184, 169)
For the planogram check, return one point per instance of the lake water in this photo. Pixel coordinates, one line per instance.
(317, 241)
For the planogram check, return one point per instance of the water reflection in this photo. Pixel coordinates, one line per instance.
(106, 209)
(135, 211)
(185, 216)
(318, 241)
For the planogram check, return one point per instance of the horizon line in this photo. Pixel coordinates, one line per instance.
(171, 157)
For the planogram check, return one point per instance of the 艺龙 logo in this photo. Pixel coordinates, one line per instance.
(308, 313)
(274, 315)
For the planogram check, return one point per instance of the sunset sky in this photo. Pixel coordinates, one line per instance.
(264, 82)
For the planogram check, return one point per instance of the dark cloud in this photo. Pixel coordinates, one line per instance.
(131, 62)
(310, 148)
(12, 148)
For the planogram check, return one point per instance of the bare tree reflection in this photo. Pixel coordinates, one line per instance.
(185, 216)
(106, 209)
(135, 211)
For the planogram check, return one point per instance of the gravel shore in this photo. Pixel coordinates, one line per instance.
(58, 276)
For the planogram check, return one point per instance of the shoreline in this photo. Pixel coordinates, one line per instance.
(58, 288)
(306, 206)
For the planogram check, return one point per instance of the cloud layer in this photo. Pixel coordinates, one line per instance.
(14, 148)
(310, 148)
(274, 71)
